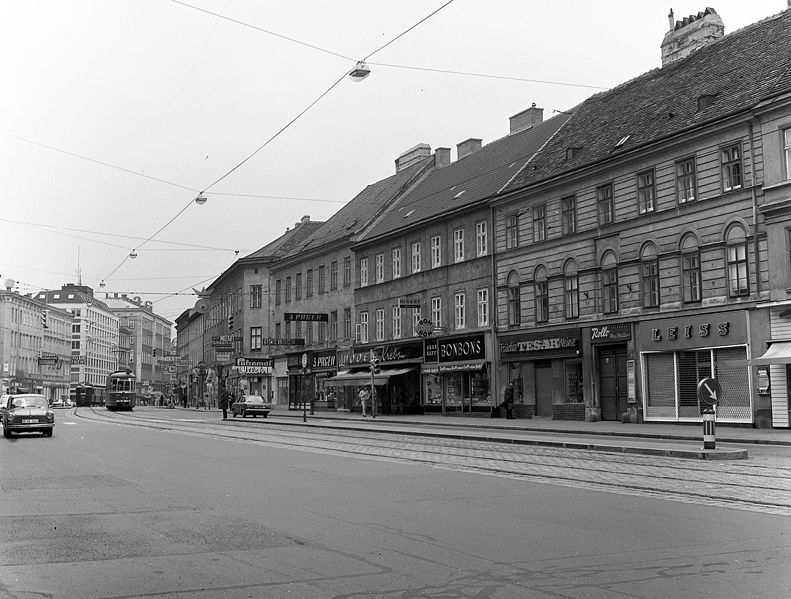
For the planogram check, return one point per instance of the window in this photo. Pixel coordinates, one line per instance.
(436, 311)
(609, 282)
(690, 270)
(458, 245)
(416, 316)
(363, 327)
(436, 252)
(380, 324)
(255, 296)
(731, 161)
(298, 286)
(396, 263)
(483, 307)
(322, 279)
(379, 267)
(539, 223)
(646, 192)
(416, 257)
(649, 277)
(511, 231)
(309, 283)
(322, 332)
(606, 207)
(288, 289)
(298, 330)
(347, 323)
(333, 275)
(309, 333)
(568, 215)
(541, 286)
(333, 325)
(571, 291)
(347, 271)
(363, 272)
(514, 300)
(787, 152)
(481, 239)
(459, 310)
(256, 338)
(396, 322)
(277, 292)
(277, 330)
(288, 329)
(738, 274)
(685, 180)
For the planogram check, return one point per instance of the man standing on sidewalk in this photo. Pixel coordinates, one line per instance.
(508, 401)
(364, 397)
(224, 398)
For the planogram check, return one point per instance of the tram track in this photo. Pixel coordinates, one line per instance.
(724, 484)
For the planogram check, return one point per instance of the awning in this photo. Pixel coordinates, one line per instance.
(778, 353)
(363, 377)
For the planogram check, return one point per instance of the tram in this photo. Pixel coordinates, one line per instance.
(121, 390)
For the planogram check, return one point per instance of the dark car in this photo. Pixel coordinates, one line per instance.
(26, 412)
(251, 404)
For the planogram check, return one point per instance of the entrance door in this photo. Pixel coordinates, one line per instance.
(544, 389)
(612, 382)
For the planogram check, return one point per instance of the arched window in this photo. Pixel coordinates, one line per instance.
(691, 281)
(571, 290)
(541, 287)
(514, 300)
(736, 256)
(609, 283)
(649, 276)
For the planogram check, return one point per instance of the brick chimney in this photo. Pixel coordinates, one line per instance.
(690, 34)
(441, 157)
(527, 118)
(412, 155)
(467, 147)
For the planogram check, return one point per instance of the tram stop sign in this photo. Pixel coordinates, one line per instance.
(709, 392)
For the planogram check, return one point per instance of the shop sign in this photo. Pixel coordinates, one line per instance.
(431, 351)
(385, 353)
(559, 342)
(79, 359)
(306, 316)
(325, 359)
(222, 356)
(454, 368)
(282, 341)
(46, 358)
(455, 349)
(295, 361)
(708, 330)
(254, 365)
(621, 331)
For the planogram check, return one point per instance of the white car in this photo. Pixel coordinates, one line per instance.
(26, 412)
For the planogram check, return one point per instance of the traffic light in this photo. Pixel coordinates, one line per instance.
(230, 323)
(45, 319)
(374, 363)
(155, 352)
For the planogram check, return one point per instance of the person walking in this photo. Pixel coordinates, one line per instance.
(508, 401)
(364, 397)
(224, 399)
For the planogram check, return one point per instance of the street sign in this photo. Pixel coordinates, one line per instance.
(709, 392)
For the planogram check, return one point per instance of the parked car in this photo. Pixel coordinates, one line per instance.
(58, 403)
(26, 412)
(251, 404)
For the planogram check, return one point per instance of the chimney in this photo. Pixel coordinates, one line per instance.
(441, 157)
(467, 147)
(527, 118)
(412, 155)
(690, 34)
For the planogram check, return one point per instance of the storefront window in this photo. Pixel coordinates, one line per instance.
(574, 381)
(433, 392)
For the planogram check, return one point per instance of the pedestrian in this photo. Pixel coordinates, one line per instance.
(364, 397)
(224, 399)
(508, 401)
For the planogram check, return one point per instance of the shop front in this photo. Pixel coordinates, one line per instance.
(301, 380)
(772, 365)
(456, 375)
(677, 353)
(611, 367)
(255, 376)
(396, 376)
(547, 373)
(324, 364)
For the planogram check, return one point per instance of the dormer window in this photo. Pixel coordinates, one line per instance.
(572, 152)
(705, 100)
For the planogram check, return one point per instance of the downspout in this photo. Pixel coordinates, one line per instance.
(753, 183)
(493, 320)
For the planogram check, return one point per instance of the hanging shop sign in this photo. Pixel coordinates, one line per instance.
(282, 341)
(305, 316)
(619, 331)
(253, 366)
(325, 360)
(707, 330)
(542, 344)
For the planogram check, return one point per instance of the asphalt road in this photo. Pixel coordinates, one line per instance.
(162, 503)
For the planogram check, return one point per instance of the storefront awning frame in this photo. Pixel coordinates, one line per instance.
(777, 353)
(363, 377)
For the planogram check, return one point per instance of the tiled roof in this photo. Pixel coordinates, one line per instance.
(357, 214)
(287, 242)
(739, 70)
(464, 182)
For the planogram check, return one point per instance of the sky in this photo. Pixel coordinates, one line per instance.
(116, 114)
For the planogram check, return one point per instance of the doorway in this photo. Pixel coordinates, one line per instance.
(612, 382)
(544, 389)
